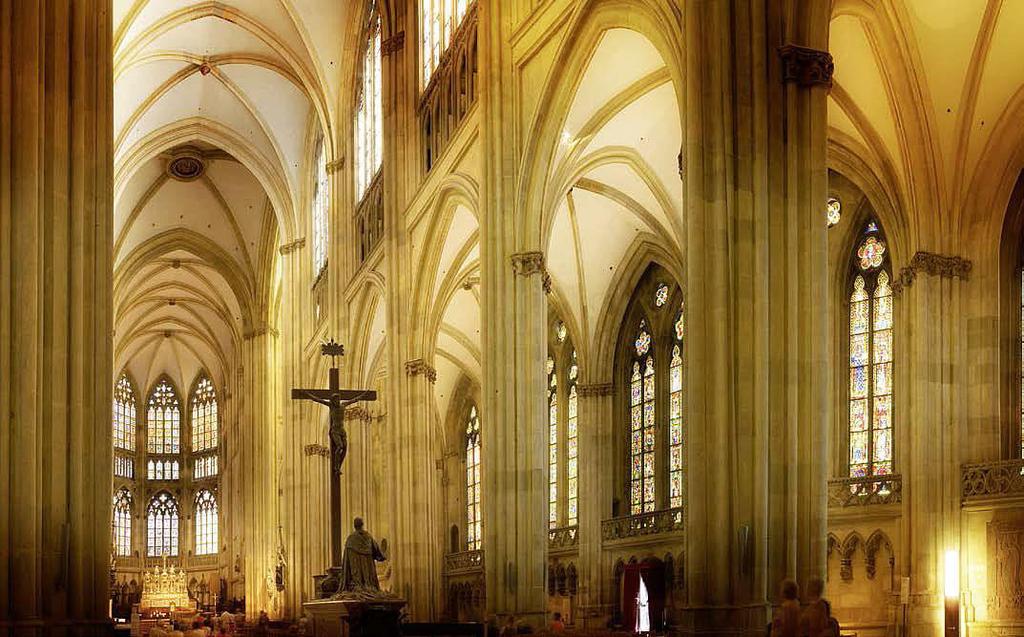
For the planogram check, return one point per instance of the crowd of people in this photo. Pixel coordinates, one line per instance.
(812, 620)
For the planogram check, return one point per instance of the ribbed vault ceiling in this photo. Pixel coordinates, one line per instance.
(238, 85)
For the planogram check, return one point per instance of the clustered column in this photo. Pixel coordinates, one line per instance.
(56, 221)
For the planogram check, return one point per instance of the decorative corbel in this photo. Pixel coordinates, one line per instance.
(806, 67)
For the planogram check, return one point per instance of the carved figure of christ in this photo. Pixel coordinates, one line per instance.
(336, 400)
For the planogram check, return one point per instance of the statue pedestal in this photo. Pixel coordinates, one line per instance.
(355, 618)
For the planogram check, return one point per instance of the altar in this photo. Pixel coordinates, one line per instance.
(165, 593)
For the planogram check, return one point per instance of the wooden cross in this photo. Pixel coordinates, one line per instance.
(336, 399)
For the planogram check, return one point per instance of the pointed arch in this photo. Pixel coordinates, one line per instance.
(163, 418)
(205, 513)
(162, 517)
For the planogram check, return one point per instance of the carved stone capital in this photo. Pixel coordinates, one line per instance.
(528, 263)
(336, 165)
(419, 366)
(260, 330)
(806, 67)
(596, 389)
(393, 44)
(357, 413)
(288, 248)
(317, 450)
(932, 265)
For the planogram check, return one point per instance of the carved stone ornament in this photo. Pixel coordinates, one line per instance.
(317, 450)
(419, 366)
(546, 282)
(393, 44)
(932, 265)
(528, 263)
(1005, 566)
(186, 164)
(335, 166)
(596, 389)
(806, 67)
(288, 248)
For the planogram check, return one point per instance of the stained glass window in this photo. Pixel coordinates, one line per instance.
(163, 470)
(204, 416)
(163, 434)
(162, 526)
(320, 208)
(552, 442)
(439, 19)
(675, 418)
(871, 361)
(474, 520)
(123, 467)
(369, 140)
(123, 523)
(661, 295)
(206, 523)
(205, 467)
(572, 440)
(124, 414)
(834, 211)
(643, 430)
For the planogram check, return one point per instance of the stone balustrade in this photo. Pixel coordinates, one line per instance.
(563, 538)
(862, 491)
(655, 522)
(992, 479)
(464, 562)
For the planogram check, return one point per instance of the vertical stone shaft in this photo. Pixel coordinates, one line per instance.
(55, 314)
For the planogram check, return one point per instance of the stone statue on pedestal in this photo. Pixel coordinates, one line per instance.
(358, 567)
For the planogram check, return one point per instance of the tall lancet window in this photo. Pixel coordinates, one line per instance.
(163, 418)
(871, 357)
(320, 206)
(123, 523)
(204, 416)
(124, 415)
(474, 518)
(643, 428)
(162, 526)
(676, 458)
(439, 19)
(206, 523)
(552, 442)
(572, 444)
(370, 111)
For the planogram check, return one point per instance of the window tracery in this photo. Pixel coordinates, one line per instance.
(320, 204)
(871, 358)
(369, 142)
(124, 414)
(206, 523)
(474, 521)
(205, 419)
(123, 523)
(163, 418)
(439, 20)
(162, 526)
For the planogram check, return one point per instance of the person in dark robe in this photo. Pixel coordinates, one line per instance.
(358, 568)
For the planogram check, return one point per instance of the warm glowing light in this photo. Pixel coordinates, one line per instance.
(566, 138)
(952, 574)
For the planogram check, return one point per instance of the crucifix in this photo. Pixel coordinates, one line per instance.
(336, 399)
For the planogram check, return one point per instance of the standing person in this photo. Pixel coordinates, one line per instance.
(787, 618)
(816, 620)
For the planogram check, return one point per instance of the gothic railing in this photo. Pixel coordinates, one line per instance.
(451, 92)
(848, 492)
(464, 562)
(992, 479)
(563, 537)
(666, 521)
(370, 218)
